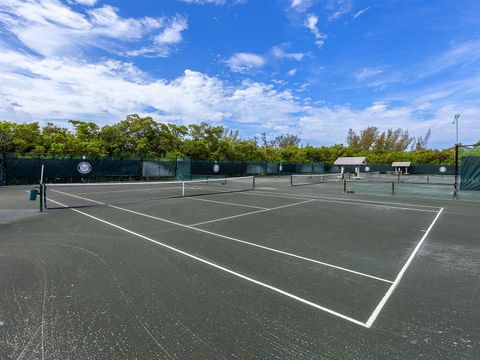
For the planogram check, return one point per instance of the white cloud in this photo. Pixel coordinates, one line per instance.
(358, 13)
(60, 89)
(292, 72)
(330, 124)
(241, 62)
(338, 8)
(172, 34)
(281, 53)
(85, 2)
(301, 5)
(367, 73)
(463, 54)
(311, 24)
(9, 113)
(52, 29)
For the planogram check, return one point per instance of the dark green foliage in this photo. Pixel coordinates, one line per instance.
(143, 137)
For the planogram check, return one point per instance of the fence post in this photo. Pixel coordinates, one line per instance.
(4, 169)
(455, 195)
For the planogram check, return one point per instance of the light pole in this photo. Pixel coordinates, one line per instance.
(455, 121)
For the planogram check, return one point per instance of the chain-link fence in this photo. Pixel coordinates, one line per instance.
(26, 168)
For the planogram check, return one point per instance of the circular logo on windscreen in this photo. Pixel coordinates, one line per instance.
(442, 169)
(280, 168)
(216, 168)
(84, 167)
(367, 168)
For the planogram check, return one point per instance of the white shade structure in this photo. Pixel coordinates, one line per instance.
(401, 166)
(356, 161)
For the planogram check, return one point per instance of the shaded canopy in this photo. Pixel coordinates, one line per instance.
(401, 164)
(344, 161)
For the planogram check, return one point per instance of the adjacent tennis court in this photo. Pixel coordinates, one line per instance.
(237, 268)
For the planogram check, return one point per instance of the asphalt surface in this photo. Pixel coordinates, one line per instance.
(279, 272)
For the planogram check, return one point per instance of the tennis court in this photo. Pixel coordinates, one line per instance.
(237, 270)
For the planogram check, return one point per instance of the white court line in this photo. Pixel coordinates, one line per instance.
(387, 295)
(290, 295)
(76, 196)
(331, 200)
(250, 213)
(406, 206)
(234, 239)
(253, 244)
(385, 202)
(224, 202)
(347, 199)
(179, 188)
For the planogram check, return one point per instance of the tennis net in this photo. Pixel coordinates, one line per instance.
(399, 178)
(298, 180)
(95, 194)
(370, 175)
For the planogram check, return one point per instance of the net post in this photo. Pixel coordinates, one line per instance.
(455, 193)
(393, 188)
(291, 180)
(44, 196)
(40, 200)
(40, 188)
(253, 184)
(344, 186)
(183, 188)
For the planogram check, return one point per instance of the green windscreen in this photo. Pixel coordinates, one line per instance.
(184, 168)
(1, 172)
(26, 168)
(470, 173)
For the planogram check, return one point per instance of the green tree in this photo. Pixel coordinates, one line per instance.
(137, 136)
(26, 137)
(286, 141)
(7, 136)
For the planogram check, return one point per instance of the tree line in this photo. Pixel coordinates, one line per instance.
(143, 137)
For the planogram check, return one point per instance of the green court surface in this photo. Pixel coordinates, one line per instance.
(278, 272)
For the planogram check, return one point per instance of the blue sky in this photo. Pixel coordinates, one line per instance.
(311, 67)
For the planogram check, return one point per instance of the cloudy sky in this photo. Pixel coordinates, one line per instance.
(311, 67)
